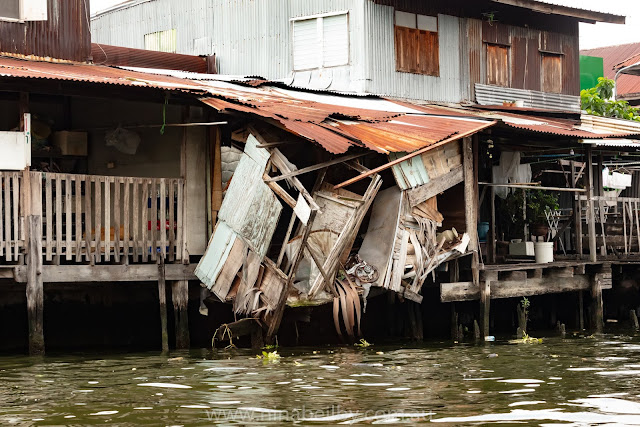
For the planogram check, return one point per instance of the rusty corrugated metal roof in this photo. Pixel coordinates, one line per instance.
(553, 126)
(614, 55)
(337, 128)
(80, 72)
(104, 54)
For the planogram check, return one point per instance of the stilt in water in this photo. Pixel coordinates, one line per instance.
(476, 330)
(180, 299)
(35, 291)
(561, 328)
(634, 319)
(581, 310)
(162, 295)
(597, 308)
(454, 323)
(522, 321)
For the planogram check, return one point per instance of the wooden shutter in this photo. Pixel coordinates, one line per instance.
(551, 73)
(497, 65)
(417, 51)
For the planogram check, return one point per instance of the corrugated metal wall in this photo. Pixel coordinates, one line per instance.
(65, 35)
(248, 37)
(382, 77)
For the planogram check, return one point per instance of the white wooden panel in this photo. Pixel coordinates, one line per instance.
(12, 151)
(428, 23)
(404, 19)
(250, 208)
(306, 44)
(216, 254)
(335, 44)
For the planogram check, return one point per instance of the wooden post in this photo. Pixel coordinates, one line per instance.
(485, 301)
(492, 227)
(216, 175)
(597, 308)
(454, 322)
(471, 203)
(183, 174)
(634, 320)
(581, 310)
(593, 257)
(577, 211)
(162, 294)
(35, 291)
(180, 299)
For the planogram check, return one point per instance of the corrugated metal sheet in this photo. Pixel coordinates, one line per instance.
(12, 68)
(608, 125)
(65, 35)
(495, 95)
(617, 143)
(104, 54)
(382, 77)
(613, 55)
(248, 37)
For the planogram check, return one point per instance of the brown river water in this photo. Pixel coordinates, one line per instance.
(573, 381)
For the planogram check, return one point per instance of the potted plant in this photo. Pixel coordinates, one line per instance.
(537, 203)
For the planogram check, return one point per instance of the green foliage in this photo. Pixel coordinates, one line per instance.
(538, 201)
(271, 356)
(363, 343)
(597, 102)
(525, 304)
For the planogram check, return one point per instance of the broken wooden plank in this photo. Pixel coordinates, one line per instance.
(315, 167)
(434, 187)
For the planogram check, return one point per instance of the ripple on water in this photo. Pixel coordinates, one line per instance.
(164, 385)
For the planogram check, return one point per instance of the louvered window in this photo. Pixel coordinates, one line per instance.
(320, 42)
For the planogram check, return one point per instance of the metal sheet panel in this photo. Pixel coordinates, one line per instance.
(128, 57)
(65, 35)
(495, 95)
(382, 77)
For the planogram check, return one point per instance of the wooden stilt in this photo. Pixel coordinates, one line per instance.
(180, 299)
(162, 294)
(35, 291)
(634, 320)
(454, 322)
(590, 209)
(485, 301)
(597, 308)
(522, 321)
(581, 310)
(476, 330)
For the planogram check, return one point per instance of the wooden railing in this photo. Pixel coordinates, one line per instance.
(617, 221)
(96, 218)
(11, 226)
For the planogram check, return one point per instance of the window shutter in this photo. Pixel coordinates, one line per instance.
(161, 41)
(552, 73)
(306, 44)
(497, 65)
(335, 35)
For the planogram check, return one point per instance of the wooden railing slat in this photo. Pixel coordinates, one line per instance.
(172, 219)
(78, 218)
(116, 218)
(7, 217)
(16, 203)
(163, 218)
(88, 215)
(144, 246)
(136, 220)
(107, 219)
(68, 221)
(154, 220)
(180, 237)
(98, 217)
(48, 212)
(58, 199)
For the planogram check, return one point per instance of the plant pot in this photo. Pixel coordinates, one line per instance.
(539, 230)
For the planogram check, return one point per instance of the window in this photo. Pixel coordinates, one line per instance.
(23, 10)
(320, 42)
(497, 65)
(551, 72)
(161, 41)
(416, 40)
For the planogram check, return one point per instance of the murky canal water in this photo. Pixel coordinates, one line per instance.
(574, 381)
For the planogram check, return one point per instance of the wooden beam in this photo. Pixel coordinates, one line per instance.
(315, 167)
(597, 307)
(412, 155)
(535, 187)
(162, 298)
(436, 186)
(35, 291)
(467, 291)
(107, 273)
(553, 9)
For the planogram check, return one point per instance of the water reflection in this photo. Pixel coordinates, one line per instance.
(573, 382)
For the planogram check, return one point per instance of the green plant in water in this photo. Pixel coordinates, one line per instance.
(525, 305)
(269, 356)
(363, 343)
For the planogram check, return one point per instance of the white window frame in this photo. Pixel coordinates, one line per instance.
(319, 17)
